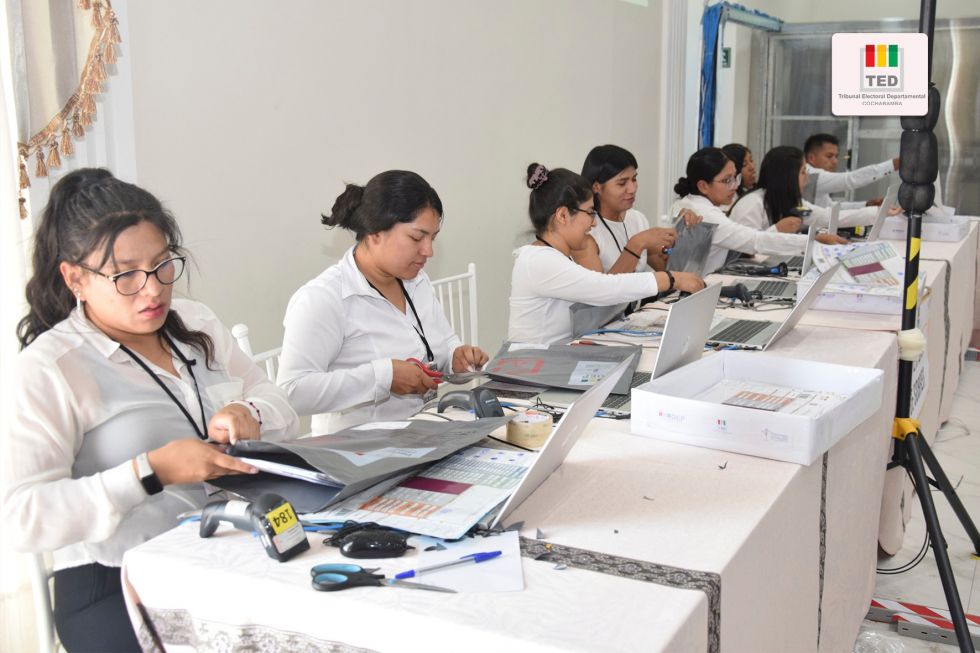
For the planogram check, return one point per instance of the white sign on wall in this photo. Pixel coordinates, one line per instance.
(879, 74)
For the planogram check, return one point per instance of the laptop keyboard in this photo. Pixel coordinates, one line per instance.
(740, 332)
(616, 401)
(772, 288)
(794, 262)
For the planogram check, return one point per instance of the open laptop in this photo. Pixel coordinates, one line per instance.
(682, 342)
(563, 437)
(781, 290)
(761, 334)
(802, 263)
(891, 197)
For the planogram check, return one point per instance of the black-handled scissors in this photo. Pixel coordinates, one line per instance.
(341, 576)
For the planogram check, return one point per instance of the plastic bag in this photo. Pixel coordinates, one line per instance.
(690, 251)
(870, 641)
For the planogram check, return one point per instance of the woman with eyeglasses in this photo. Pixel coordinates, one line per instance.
(710, 184)
(778, 204)
(367, 339)
(124, 400)
(622, 239)
(546, 281)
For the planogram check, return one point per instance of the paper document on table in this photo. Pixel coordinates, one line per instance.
(444, 500)
(292, 471)
(874, 263)
(502, 574)
(773, 398)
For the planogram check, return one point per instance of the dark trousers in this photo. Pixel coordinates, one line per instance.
(89, 611)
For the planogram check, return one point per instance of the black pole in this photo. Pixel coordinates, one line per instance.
(919, 166)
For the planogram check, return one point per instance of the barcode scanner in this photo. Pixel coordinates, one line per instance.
(481, 401)
(753, 269)
(270, 516)
(740, 292)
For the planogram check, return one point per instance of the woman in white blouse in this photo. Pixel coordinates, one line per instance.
(546, 281)
(711, 183)
(118, 387)
(778, 204)
(351, 330)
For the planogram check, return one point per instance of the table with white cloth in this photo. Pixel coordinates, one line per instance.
(652, 546)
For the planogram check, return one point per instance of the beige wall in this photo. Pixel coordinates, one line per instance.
(250, 115)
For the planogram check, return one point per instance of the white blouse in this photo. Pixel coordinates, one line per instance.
(545, 283)
(751, 211)
(837, 182)
(732, 236)
(611, 237)
(83, 409)
(341, 336)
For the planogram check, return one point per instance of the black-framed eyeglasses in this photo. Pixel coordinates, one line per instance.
(591, 212)
(131, 282)
(731, 182)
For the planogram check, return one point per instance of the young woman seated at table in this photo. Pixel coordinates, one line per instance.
(117, 388)
(778, 204)
(710, 184)
(546, 281)
(621, 240)
(367, 338)
(744, 162)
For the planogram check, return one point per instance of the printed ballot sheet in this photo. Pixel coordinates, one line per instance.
(772, 398)
(445, 500)
(875, 266)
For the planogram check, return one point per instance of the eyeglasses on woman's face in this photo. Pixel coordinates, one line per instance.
(131, 282)
(730, 182)
(591, 212)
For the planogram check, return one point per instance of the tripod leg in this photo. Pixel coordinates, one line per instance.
(914, 459)
(954, 501)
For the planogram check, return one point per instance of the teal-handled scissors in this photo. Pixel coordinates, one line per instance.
(340, 576)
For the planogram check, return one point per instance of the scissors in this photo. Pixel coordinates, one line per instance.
(341, 576)
(429, 372)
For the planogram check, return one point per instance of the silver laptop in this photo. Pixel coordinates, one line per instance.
(834, 219)
(682, 342)
(761, 334)
(563, 437)
(891, 197)
(779, 290)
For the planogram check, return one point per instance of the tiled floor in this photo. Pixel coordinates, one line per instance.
(958, 449)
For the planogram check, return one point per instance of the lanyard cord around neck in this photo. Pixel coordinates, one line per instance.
(420, 330)
(609, 229)
(554, 248)
(190, 368)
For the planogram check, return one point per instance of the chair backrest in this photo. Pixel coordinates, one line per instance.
(457, 295)
(267, 359)
(40, 574)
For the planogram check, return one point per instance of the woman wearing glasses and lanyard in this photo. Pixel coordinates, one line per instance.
(777, 203)
(711, 183)
(546, 281)
(351, 331)
(117, 388)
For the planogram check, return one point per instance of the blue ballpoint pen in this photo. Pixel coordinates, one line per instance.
(472, 557)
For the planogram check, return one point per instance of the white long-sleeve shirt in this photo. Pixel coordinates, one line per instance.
(545, 283)
(611, 237)
(751, 211)
(732, 236)
(839, 182)
(83, 409)
(341, 336)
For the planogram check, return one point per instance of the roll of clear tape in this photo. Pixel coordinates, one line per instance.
(911, 344)
(529, 429)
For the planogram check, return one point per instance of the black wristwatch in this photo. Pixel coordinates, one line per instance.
(147, 476)
(670, 277)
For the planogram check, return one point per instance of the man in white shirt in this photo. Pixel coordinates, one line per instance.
(822, 152)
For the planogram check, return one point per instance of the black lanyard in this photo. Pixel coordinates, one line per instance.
(429, 356)
(616, 240)
(173, 398)
(554, 248)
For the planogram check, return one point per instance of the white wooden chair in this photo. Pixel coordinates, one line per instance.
(268, 359)
(40, 573)
(457, 294)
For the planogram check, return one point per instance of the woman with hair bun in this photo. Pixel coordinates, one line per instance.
(350, 331)
(546, 281)
(710, 184)
(123, 401)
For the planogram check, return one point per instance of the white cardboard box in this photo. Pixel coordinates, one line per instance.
(859, 298)
(667, 408)
(939, 228)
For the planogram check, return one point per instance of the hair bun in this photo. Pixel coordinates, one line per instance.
(682, 187)
(537, 174)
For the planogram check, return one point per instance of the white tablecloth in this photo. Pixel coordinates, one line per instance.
(787, 551)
